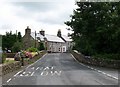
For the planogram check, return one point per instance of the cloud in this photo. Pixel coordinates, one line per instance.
(36, 6)
(49, 16)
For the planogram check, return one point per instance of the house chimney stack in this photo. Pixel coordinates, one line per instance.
(59, 33)
(42, 32)
(28, 30)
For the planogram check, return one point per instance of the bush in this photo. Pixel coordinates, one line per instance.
(108, 56)
(41, 46)
(32, 49)
(3, 57)
(17, 47)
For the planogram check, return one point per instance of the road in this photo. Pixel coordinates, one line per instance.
(61, 69)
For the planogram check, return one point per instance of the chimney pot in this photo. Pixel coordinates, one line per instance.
(42, 32)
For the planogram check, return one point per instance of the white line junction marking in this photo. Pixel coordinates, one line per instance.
(26, 68)
(18, 73)
(95, 69)
(46, 71)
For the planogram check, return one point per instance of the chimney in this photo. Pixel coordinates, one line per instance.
(42, 32)
(59, 33)
(28, 30)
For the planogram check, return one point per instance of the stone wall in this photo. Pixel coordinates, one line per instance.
(10, 55)
(7, 68)
(96, 62)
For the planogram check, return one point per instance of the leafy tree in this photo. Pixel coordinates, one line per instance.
(41, 46)
(96, 27)
(17, 46)
(8, 40)
(19, 37)
(12, 41)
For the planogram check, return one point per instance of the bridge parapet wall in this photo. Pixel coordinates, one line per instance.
(96, 61)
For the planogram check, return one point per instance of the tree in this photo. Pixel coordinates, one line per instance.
(17, 46)
(8, 40)
(41, 46)
(96, 27)
(19, 37)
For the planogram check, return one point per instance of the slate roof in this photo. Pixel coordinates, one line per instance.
(66, 38)
(53, 38)
(39, 37)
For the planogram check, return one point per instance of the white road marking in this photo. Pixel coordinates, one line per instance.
(103, 73)
(9, 80)
(33, 68)
(91, 68)
(37, 60)
(37, 68)
(32, 73)
(52, 67)
(44, 73)
(95, 69)
(18, 73)
(56, 72)
(29, 72)
(46, 68)
(21, 75)
(24, 72)
(98, 70)
(108, 75)
(115, 77)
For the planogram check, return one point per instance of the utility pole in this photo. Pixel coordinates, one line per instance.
(35, 39)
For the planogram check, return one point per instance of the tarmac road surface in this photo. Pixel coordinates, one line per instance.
(62, 69)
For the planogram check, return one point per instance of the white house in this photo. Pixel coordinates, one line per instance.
(53, 43)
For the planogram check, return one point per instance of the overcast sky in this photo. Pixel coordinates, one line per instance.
(48, 15)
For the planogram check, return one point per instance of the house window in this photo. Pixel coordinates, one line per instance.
(59, 49)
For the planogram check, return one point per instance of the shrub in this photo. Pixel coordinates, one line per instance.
(32, 49)
(3, 57)
(108, 56)
(41, 46)
(17, 46)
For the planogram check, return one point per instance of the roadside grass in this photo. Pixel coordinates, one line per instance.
(8, 61)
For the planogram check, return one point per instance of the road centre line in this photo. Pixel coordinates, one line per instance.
(95, 69)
